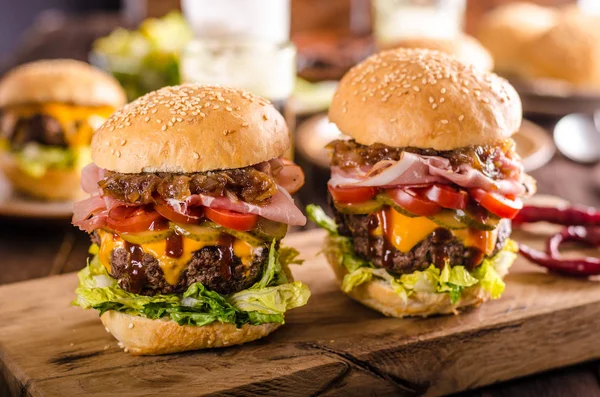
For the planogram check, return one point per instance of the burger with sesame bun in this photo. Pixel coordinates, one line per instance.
(424, 189)
(49, 110)
(189, 200)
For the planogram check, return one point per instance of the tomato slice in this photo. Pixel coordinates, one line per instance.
(352, 194)
(135, 219)
(446, 196)
(194, 214)
(497, 204)
(413, 202)
(232, 220)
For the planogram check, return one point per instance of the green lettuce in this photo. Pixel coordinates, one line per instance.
(451, 280)
(35, 159)
(264, 302)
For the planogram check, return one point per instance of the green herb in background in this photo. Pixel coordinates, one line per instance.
(146, 59)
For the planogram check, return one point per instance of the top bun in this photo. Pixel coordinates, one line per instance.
(425, 99)
(508, 28)
(464, 47)
(190, 128)
(60, 80)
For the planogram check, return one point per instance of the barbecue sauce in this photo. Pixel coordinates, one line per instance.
(380, 218)
(226, 256)
(174, 246)
(135, 268)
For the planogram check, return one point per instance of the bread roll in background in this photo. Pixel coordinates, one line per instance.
(506, 30)
(463, 47)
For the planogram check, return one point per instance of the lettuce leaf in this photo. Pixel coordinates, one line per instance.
(451, 280)
(35, 159)
(265, 302)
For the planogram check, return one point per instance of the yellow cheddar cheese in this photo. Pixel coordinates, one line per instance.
(171, 267)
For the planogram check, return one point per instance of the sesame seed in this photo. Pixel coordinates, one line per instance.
(244, 124)
(158, 121)
(107, 143)
(434, 106)
(444, 121)
(417, 89)
(442, 100)
(228, 108)
(431, 100)
(443, 90)
(461, 117)
(196, 155)
(147, 119)
(130, 326)
(164, 127)
(170, 123)
(123, 142)
(118, 154)
(202, 114)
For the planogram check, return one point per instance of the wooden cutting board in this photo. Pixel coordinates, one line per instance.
(332, 346)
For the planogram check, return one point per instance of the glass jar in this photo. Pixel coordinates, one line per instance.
(264, 68)
(399, 19)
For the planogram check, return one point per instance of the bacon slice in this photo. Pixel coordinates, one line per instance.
(413, 169)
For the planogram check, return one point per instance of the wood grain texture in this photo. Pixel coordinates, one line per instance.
(332, 346)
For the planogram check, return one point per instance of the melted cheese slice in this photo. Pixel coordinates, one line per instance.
(77, 122)
(171, 267)
(404, 232)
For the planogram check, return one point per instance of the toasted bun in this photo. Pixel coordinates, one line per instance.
(425, 99)
(139, 335)
(56, 184)
(380, 296)
(464, 47)
(60, 80)
(190, 128)
(508, 28)
(568, 51)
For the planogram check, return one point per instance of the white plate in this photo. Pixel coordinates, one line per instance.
(17, 205)
(534, 145)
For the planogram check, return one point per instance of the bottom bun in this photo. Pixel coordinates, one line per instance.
(379, 295)
(143, 336)
(56, 184)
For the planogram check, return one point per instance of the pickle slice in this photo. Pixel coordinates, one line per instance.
(481, 221)
(365, 207)
(268, 230)
(449, 219)
(150, 236)
(202, 232)
(387, 200)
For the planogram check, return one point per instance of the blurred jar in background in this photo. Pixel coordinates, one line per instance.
(400, 19)
(243, 44)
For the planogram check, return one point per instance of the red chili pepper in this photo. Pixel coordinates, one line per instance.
(551, 259)
(575, 215)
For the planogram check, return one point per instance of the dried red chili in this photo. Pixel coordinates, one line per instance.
(583, 227)
(574, 215)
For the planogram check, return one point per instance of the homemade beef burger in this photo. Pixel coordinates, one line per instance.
(424, 191)
(48, 112)
(189, 201)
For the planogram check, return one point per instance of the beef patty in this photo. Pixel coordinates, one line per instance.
(147, 278)
(438, 247)
(39, 128)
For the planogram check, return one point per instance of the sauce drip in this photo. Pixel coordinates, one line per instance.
(375, 220)
(174, 246)
(440, 256)
(225, 250)
(135, 267)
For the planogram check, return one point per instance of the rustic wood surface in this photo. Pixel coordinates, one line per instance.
(332, 346)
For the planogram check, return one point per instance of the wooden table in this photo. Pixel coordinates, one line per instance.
(30, 249)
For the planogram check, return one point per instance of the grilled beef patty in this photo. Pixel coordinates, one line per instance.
(438, 247)
(217, 268)
(39, 128)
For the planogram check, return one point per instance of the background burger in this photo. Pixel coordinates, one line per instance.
(48, 112)
(189, 202)
(424, 190)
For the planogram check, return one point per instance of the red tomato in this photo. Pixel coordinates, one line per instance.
(446, 196)
(497, 204)
(352, 194)
(135, 219)
(194, 214)
(413, 203)
(232, 220)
